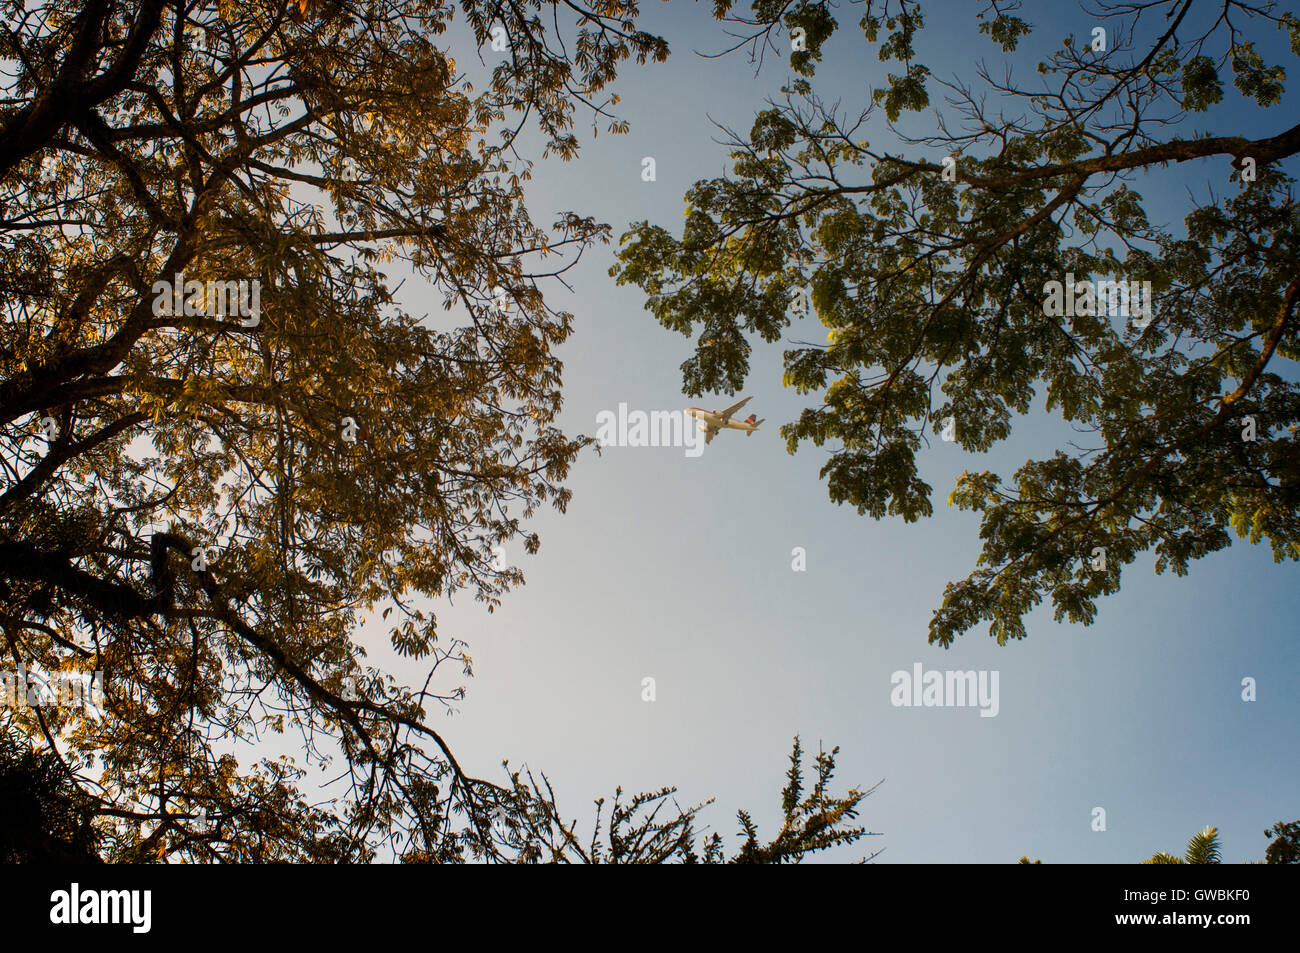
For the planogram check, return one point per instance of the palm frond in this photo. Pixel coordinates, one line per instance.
(1204, 847)
(1163, 858)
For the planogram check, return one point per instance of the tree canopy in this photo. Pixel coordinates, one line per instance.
(928, 259)
(1285, 846)
(226, 439)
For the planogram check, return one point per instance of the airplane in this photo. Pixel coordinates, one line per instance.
(715, 420)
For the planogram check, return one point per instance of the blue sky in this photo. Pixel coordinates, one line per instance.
(680, 569)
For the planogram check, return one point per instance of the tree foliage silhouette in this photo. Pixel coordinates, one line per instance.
(44, 815)
(1285, 846)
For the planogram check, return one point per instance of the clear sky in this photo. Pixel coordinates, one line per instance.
(680, 569)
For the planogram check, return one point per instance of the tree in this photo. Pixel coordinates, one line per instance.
(931, 265)
(225, 440)
(1285, 846)
(631, 832)
(44, 815)
(1203, 848)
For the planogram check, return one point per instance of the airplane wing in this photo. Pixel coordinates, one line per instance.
(726, 414)
(709, 435)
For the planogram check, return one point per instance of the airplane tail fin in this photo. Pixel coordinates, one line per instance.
(754, 424)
